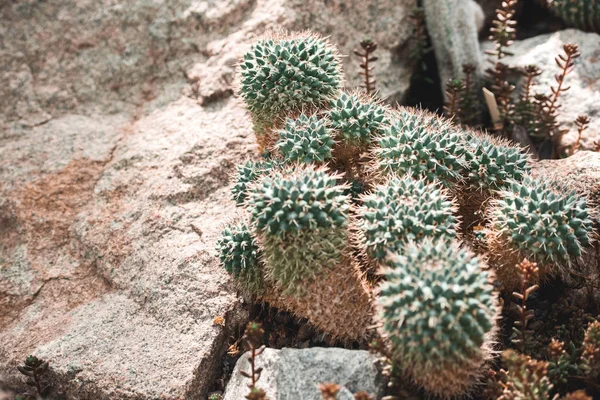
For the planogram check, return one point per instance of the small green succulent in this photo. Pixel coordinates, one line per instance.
(430, 150)
(439, 311)
(356, 120)
(282, 74)
(302, 216)
(247, 173)
(240, 255)
(291, 201)
(492, 163)
(549, 226)
(402, 210)
(305, 139)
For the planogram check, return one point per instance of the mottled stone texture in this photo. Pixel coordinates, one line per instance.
(291, 374)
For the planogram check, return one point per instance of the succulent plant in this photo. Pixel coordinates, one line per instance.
(402, 210)
(285, 73)
(526, 378)
(247, 173)
(302, 216)
(491, 163)
(439, 312)
(239, 254)
(582, 14)
(535, 220)
(421, 146)
(305, 139)
(356, 119)
(591, 350)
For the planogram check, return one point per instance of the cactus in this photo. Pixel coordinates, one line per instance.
(582, 14)
(356, 119)
(491, 163)
(591, 350)
(439, 312)
(239, 254)
(305, 139)
(287, 73)
(535, 220)
(422, 146)
(453, 28)
(402, 210)
(301, 216)
(247, 173)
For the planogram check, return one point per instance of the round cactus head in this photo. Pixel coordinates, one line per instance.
(284, 73)
(439, 312)
(403, 210)
(298, 199)
(239, 254)
(247, 173)
(305, 139)
(422, 146)
(302, 215)
(356, 119)
(541, 223)
(492, 163)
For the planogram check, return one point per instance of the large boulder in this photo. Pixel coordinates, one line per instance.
(118, 133)
(583, 96)
(296, 374)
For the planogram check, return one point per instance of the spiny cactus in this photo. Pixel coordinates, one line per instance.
(302, 216)
(591, 350)
(582, 14)
(356, 119)
(421, 146)
(531, 219)
(439, 313)
(491, 162)
(305, 139)
(402, 210)
(247, 173)
(239, 254)
(283, 73)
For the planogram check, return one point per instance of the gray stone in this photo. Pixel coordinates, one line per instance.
(293, 374)
(584, 96)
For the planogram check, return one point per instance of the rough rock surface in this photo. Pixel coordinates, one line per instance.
(291, 374)
(118, 131)
(584, 96)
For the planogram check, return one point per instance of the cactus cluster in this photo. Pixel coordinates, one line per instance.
(403, 210)
(439, 312)
(351, 185)
(305, 139)
(582, 14)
